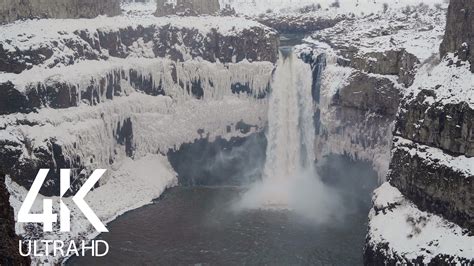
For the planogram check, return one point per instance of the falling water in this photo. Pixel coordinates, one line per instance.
(290, 121)
(290, 180)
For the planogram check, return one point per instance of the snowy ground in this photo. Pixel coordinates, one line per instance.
(453, 83)
(28, 32)
(419, 30)
(410, 232)
(327, 7)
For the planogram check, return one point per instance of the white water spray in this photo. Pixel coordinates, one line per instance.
(290, 180)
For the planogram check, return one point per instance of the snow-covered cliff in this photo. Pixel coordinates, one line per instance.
(120, 93)
(382, 74)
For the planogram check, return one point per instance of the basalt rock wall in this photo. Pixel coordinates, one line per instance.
(11, 10)
(253, 44)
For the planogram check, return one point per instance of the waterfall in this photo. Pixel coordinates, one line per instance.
(290, 135)
(290, 180)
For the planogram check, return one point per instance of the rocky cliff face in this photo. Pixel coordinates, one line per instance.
(434, 116)
(375, 80)
(9, 254)
(431, 175)
(365, 75)
(11, 10)
(187, 7)
(297, 23)
(459, 36)
(125, 90)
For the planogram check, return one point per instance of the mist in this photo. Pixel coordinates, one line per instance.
(305, 195)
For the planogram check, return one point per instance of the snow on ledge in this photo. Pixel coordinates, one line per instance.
(256, 74)
(328, 7)
(33, 33)
(451, 84)
(460, 163)
(411, 232)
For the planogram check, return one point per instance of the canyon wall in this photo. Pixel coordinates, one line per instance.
(385, 98)
(124, 91)
(11, 10)
(431, 176)
(101, 67)
(107, 49)
(438, 115)
(359, 90)
(355, 113)
(187, 7)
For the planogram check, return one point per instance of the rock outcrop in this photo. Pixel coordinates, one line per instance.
(391, 62)
(149, 38)
(356, 109)
(297, 23)
(9, 254)
(107, 47)
(431, 176)
(364, 92)
(431, 169)
(11, 10)
(459, 37)
(187, 7)
(433, 118)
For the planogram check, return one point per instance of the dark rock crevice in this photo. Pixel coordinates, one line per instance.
(9, 254)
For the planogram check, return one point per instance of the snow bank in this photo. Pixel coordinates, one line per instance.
(24, 34)
(419, 30)
(411, 233)
(451, 84)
